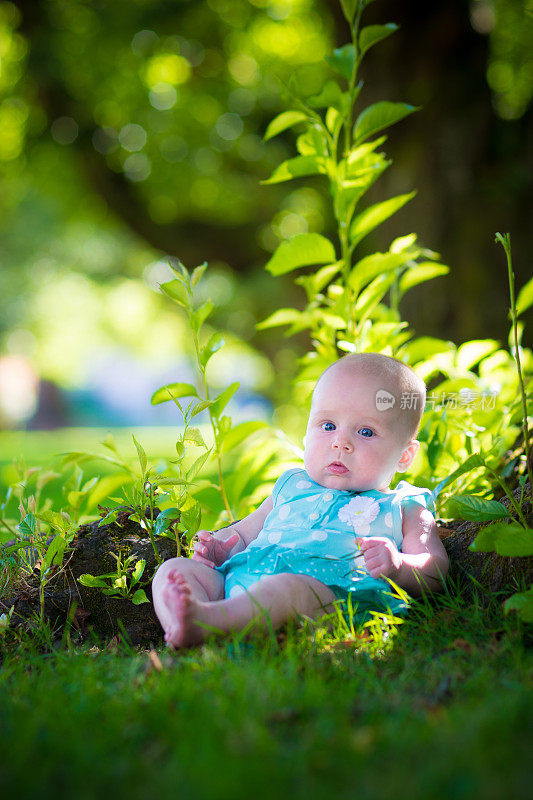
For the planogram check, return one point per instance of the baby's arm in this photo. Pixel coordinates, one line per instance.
(422, 563)
(213, 549)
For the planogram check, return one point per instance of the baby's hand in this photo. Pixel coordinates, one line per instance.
(382, 557)
(210, 551)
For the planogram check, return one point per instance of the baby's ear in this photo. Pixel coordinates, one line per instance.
(408, 455)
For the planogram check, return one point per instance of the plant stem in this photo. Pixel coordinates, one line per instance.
(211, 417)
(505, 241)
(509, 494)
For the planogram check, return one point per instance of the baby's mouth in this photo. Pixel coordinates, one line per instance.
(336, 468)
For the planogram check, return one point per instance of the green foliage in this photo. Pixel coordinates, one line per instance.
(122, 581)
(225, 436)
(352, 302)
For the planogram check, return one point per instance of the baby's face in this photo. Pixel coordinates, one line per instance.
(350, 443)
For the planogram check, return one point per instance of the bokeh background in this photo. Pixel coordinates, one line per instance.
(131, 133)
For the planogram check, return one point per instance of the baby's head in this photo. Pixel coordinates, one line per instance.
(362, 426)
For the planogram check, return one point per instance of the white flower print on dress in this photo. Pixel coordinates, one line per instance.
(359, 513)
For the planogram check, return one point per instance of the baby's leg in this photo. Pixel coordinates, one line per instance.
(271, 601)
(176, 581)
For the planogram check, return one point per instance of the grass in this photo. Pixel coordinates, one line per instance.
(441, 708)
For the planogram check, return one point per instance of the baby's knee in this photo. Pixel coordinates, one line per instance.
(167, 566)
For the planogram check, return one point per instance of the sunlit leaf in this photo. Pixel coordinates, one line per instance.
(202, 313)
(137, 573)
(475, 508)
(176, 291)
(371, 217)
(283, 121)
(374, 292)
(213, 345)
(92, 581)
(470, 353)
(373, 34)
(240, 433)
(296, 168)
(525, 297)
(193, 435)
(198, 273)
(368, 268)
(139, 597)
(173, 391)
(473, 462)
(378, 116)
(506, 539)
(197, 465)
(199, 407)
(283, 316)
(425, 271)
(302, 250)
(219, 403)
(142, 455)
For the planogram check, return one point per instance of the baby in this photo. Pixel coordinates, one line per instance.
(328, 531)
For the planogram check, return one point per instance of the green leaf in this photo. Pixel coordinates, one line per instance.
(197, 273)
(195, 468)
(92, 581)
(473, 462)
(142, 455)
(139, 597)
(330, 95)
(54, 552)
(165, 520)
(283, 121)
(296, 168)
(240, 433)
(199, 407)
(27, 525)
(110, 517)
(505, 539)
(475, 508)
(283, 316)
(173, 391)
(177, 292)
(373, 34)
(470, 353)
(349, 7)
(315, 282)
(371, 217)
(199, 316)
(522, 602)
(525, 297)
(378, 116)
(219, 403)
(300, 251)
(374, 293)
(194, 435)
(371, 266)
(137, 573)
(425, 271)
(342, 60)
(213, 345)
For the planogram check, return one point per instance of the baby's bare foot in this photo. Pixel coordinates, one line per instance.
(183, 611)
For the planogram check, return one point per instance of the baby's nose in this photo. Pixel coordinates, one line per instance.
(342, 442)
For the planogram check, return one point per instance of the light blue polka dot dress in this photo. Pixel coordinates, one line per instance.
(311, 530)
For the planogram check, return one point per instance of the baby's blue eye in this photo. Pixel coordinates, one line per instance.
(366, 432)
(328, 426)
